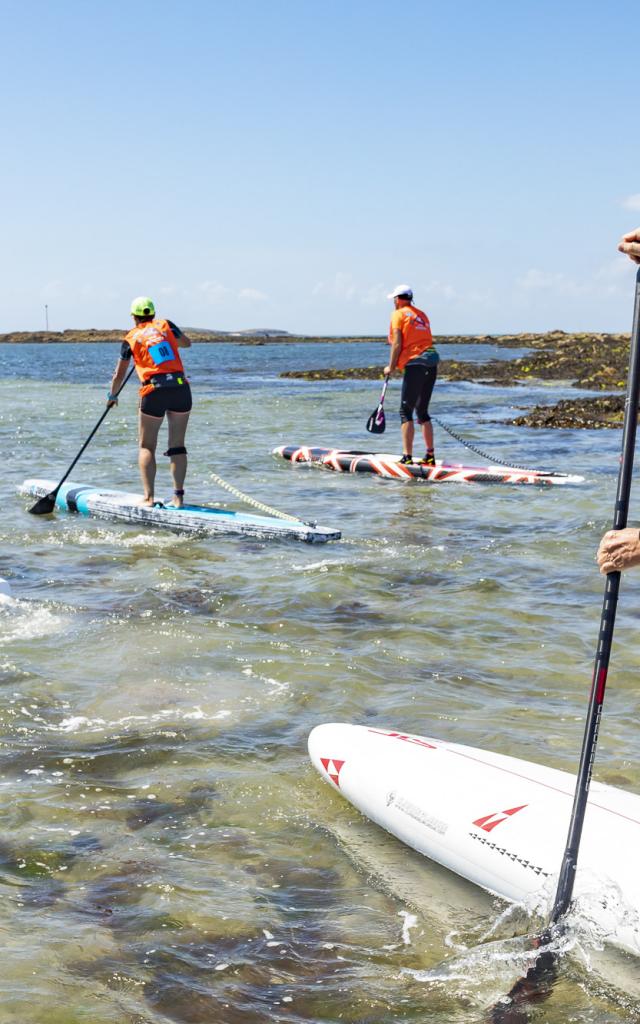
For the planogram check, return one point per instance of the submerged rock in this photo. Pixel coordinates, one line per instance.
(576, 413)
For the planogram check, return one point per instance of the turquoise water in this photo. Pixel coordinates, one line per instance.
(167, 854)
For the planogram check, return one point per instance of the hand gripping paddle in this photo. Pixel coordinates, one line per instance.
(376, 423)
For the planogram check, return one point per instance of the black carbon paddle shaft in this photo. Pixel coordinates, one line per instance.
(566, 880)
(46, 504)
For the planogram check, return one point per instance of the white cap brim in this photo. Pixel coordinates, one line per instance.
(402, 289)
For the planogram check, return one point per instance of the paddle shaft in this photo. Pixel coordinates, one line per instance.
(566, 880)
(536, 984)
(53, 493)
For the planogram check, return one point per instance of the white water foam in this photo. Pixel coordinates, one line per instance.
(78, 723)
(26, 620)
(276, 686)
(323, 566)
(409, 921)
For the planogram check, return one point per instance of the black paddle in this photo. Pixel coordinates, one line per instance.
(538, 978)
(376, 423)
(47, 503)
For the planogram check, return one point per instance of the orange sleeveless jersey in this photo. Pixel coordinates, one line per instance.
(154, 351)
(416, 332)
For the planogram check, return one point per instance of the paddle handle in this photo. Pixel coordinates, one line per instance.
(384, 389)
(566, 880)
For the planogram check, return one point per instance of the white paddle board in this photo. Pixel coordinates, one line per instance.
(495, 820)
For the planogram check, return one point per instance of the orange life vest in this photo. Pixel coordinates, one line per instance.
(416, 333)
(154, 351)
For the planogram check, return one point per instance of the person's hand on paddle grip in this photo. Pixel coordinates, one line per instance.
(111, 400)
(619, 550)
(387, 371)
(630, 245)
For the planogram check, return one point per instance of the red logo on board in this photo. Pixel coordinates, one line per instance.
(489, 822)
(332, 768)
(404, 736)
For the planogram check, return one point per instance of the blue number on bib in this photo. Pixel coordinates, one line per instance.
(161, 353)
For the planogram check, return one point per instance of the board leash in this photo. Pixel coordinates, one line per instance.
(491, 458)
(259, 504)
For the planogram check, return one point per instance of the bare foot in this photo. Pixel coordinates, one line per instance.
(147, 503)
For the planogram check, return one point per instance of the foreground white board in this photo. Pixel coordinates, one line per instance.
(495, 820)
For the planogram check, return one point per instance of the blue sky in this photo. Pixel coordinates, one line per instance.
(286, 163)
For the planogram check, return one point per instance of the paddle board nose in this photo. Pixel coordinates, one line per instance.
(327, 745)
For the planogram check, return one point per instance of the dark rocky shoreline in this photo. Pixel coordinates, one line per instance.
(594, 362)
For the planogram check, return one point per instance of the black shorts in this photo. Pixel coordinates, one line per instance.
(417, 386)
(162, 400)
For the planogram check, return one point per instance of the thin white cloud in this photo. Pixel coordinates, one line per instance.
(345, 287)
(615, 269)
(632, 202)
(214, 291)
(342, 287)
(535, 280)
(375, 295)
(607, 281)
(440, 290)
(252, 295)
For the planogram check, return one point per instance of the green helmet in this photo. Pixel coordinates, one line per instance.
(143, 306)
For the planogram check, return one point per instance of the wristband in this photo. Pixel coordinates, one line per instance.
(112, 398)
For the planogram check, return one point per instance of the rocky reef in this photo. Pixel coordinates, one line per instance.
(594, 362)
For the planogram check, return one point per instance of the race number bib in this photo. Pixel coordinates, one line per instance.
(161, 353)
(157, 346)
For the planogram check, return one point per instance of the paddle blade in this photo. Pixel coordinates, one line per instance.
(45, 505)
(376, 424)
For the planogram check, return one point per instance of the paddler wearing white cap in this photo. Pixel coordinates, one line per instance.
(412, 351)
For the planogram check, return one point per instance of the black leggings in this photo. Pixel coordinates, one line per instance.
(417, 386)
(162, 400)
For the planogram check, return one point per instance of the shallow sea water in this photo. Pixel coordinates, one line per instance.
(167, 854)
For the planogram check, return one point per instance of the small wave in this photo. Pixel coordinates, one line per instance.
(25, 620)
(498, 959)
(82, 723)
(323, 566)
(276, 686)
(148, 539)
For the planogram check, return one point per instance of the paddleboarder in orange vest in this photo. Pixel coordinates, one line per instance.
(153, 344)
(412, 351)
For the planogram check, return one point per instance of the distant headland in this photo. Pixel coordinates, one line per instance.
(254, 336)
